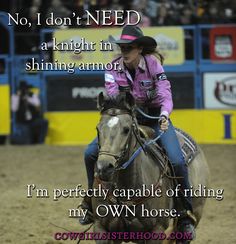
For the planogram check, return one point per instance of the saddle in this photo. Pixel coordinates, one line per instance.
(188, 145)
(189, 149)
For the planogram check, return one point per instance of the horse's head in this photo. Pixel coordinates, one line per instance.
(114, 132)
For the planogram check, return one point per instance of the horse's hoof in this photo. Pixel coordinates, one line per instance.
(188, 229)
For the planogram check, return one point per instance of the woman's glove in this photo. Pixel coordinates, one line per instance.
(163, 121)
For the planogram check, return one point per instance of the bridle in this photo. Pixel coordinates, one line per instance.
(126, 150)
(124, 155)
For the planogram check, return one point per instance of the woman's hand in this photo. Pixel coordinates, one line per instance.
(163, 121)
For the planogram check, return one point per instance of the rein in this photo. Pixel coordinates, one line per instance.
(142, 146)
(119, 158)
(137, 152)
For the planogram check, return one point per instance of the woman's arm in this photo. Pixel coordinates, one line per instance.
(163, 88)
(112, 88)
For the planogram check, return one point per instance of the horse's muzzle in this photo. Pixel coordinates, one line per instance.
(104, 170)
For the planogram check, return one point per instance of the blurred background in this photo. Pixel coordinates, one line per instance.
(197, 39)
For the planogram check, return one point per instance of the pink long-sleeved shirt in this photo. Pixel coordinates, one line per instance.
(150, 85)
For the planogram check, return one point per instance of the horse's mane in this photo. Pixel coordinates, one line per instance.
(122, 101)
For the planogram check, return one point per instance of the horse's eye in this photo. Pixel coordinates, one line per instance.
(126, 130)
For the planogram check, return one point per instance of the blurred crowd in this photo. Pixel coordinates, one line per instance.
(154, 12)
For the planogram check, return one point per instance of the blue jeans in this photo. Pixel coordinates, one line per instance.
(90, 159)
(170, 143)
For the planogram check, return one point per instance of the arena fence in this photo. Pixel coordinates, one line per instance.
(204, 88)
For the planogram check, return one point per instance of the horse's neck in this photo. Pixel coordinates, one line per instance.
(143, 170)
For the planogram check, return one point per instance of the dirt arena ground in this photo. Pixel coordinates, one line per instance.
(35, 220)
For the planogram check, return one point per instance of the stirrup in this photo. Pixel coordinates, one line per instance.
(189, 215)
(88, 219)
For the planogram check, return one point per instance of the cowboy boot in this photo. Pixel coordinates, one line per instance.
(86, 204)
(186, 221)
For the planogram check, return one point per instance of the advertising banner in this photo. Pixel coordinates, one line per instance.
(74, 93)
(94, 45)
(205, 126)
(79, 92)
(223, 43)
(5, 114)
(219, 90)
(180, 83)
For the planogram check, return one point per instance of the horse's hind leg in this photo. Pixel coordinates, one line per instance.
(99, 229)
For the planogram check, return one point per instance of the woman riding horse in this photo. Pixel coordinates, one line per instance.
(140, 71)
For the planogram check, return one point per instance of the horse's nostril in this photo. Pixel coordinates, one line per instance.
(105, 170)
(110, 166)
(99, 171)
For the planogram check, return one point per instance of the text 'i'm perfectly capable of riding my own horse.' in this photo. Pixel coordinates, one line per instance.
(144, 191)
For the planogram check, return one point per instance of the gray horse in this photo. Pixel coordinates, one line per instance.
(135, 181)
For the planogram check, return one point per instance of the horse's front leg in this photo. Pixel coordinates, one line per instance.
(98, 228)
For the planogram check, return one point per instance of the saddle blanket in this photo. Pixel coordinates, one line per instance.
(188, 145)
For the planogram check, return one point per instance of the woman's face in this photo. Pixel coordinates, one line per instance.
(131, 54)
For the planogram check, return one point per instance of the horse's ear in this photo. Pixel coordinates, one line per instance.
(129, 99)
(100, 101)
